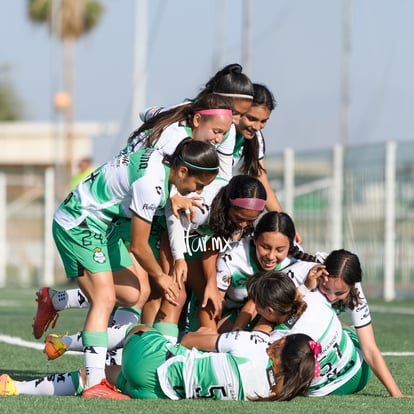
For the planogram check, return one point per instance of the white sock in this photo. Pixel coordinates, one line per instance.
(73, 342)
(56, 384)
(68, 299)
(95, 346)
(116, 338)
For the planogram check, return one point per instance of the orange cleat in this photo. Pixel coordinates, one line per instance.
(54, 347)
(7, 385)
(104, 390)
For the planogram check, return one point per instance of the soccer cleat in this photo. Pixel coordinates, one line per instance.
(46, 314)
(54, 347)
(7, 385)
(104, 390)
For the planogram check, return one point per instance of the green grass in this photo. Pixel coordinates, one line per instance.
(394, 333)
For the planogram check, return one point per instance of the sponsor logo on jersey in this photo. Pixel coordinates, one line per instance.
(143, 162)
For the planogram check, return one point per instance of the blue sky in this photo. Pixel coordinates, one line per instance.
(296, 51)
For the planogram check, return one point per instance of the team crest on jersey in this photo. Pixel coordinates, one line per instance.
(98, 255)
(226, 279)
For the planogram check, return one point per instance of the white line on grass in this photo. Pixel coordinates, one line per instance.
(398, 311)
(13, 340)
(398, 353)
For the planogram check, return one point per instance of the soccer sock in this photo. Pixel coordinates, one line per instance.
(95, 345)
(169, 330)
(116, 338)
(68, 299)
(73, 342)
(57, 384)
(125, 316)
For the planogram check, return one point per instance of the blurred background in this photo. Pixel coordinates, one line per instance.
(75, 74)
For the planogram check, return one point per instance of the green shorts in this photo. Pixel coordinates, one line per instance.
(143, 353)
(122, 230)
(88, 247)
(361, 378)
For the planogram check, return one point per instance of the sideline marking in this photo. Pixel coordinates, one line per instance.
(394, 310)
(13, 340)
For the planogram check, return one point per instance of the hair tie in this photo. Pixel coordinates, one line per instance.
(235, 95)
(215, 111)
(249, 203)
(196, 167)
(316, 349)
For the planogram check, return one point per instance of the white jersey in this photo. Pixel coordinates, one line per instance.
(360, 315)
(173, 134)
(234, 268)
(238, 370)
(130, 183)
(296, 269)
(182, 233)
(340, 360)
(237, 264)
(238, 151)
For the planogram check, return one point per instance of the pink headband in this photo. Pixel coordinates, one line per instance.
(316, 349)
(249, 203)
(216, 111)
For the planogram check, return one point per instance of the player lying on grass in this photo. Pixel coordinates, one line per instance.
(236, 366)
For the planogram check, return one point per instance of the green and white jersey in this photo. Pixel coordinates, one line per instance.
(191, 237)
(237, 371)
(175, 133)
(134, 182)
(237, 264)
(360, 315)
(238, 151)
(234, 268)
(340, 360)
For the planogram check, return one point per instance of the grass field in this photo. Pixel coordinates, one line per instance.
(393, 324)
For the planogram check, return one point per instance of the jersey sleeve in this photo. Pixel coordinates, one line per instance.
(360, 315)
(225, 154)
(223, 273)
(242, 343)
(261, 149)
(176, 233)
(147, 194)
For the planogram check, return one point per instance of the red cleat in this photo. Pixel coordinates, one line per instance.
(104, 390)
(46, 314)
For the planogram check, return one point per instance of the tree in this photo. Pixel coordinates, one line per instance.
(11, 108)
(69, 20)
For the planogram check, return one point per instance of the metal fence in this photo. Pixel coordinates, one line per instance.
(359, 198)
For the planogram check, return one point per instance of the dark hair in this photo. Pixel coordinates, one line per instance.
(151, 129)
(240, 186)
(297, 362)
(229, 80)
(250, 154)
(281, 222)
(276, 290)
(263, 97)
(199, 157)
(345, 265)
